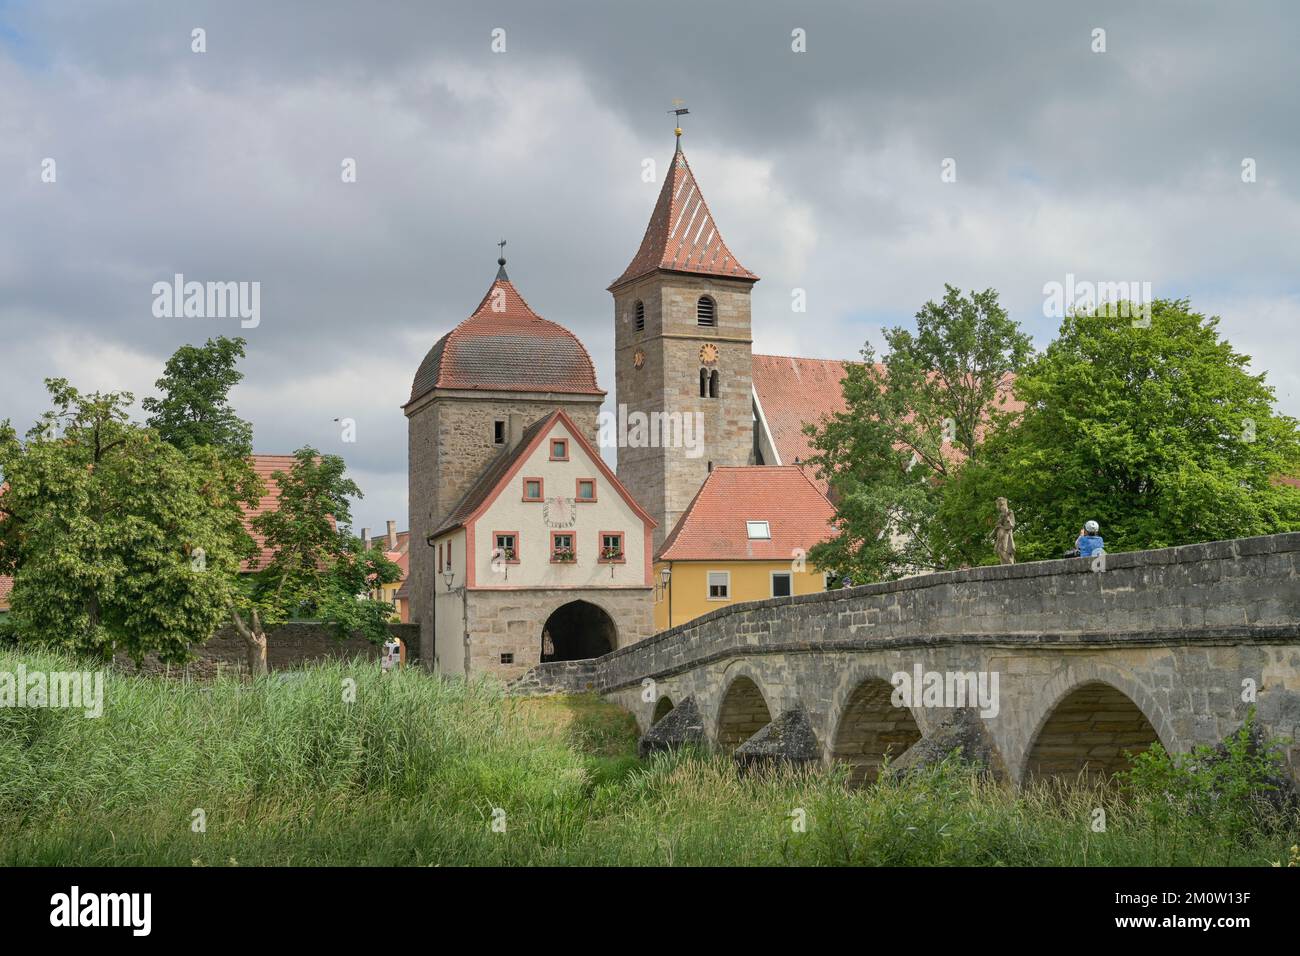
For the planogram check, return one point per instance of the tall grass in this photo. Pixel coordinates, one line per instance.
(340, 765)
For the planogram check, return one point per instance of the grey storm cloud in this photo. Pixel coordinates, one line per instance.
(821, 168)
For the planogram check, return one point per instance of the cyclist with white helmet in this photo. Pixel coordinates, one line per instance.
(1089, 542)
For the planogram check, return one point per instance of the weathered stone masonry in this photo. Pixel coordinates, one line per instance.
(1085, 658)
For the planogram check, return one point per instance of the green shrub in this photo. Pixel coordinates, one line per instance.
(1237, 788)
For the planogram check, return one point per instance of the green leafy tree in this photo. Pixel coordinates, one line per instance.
(318, 570)
(118, 541)
(909, 426)
(194, 409)
(1160, 433)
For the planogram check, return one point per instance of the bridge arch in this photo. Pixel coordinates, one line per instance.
(743, 711)
(662, 708)
(868, 726)
(1087, 723)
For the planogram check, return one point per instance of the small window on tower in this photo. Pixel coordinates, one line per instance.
(499, 432)
(713, 384)
(706, 311)
(640, 315)
(704, 383)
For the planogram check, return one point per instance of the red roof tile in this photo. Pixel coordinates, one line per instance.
(506, 346)
(713, 527)
(792, 392)
(264, 465)
(682, 235)
(795, 391)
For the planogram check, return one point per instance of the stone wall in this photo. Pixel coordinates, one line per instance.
(289, 646)
(511, 621)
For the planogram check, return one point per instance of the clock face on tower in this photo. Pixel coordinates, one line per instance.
(638, 358)
(708, 353)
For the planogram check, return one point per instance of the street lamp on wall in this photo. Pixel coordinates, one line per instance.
(449, 576)
(666, 575)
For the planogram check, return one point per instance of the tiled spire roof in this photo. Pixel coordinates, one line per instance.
(506, 346)
(682, 236)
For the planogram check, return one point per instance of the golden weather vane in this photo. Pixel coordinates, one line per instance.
(679, 111)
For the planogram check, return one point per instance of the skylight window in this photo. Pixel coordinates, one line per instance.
(758, 530)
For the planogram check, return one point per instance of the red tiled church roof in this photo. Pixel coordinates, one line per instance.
(264, 465)
(682, 236)
(506, 346)
(713, 527)
(793, 391)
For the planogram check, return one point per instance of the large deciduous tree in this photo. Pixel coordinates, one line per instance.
(318, 570)
(194, 409)
(910, 424)
(118, 541)
(1159, 431)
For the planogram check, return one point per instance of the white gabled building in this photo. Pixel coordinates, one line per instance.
(545, 557)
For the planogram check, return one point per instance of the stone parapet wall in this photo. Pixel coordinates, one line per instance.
(1242, 590)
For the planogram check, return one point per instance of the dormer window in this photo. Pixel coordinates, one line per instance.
(639, 320)
(758, 531)
(706, 312)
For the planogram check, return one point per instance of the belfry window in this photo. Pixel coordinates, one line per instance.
(713, 384)
(640, 316)
(706, 312)
(704, 383)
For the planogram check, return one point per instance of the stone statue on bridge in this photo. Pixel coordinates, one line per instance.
(1004, 538)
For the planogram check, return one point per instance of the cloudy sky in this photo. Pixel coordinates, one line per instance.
(822, 168)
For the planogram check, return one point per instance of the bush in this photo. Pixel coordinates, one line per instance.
(1236, 788)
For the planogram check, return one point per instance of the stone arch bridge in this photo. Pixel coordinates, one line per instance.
(1079, 660)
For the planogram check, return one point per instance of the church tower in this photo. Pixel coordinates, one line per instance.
(682, 352)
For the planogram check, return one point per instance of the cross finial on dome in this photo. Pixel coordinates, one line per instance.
(501, 263)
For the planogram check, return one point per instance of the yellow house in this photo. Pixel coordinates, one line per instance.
(744, 537)
(397, 548)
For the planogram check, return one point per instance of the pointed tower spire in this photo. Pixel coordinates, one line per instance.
(682, 236)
